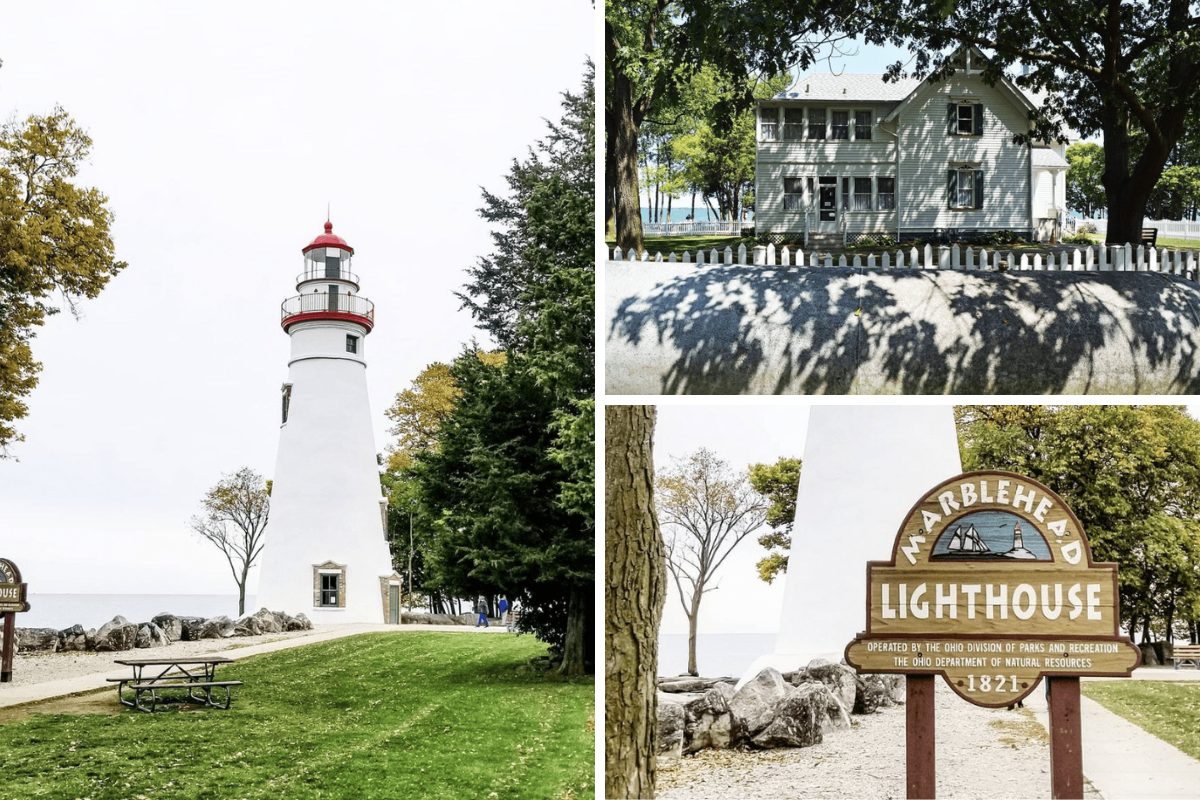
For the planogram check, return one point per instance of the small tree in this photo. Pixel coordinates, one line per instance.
(779, 483)
(234, 519)
(705, 510)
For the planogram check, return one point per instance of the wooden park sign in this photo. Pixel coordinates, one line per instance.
(12, 600)
(992, 586)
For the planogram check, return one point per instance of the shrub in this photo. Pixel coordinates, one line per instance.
(1079, 238)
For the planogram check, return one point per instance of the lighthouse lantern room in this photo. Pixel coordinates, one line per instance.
(326, 552)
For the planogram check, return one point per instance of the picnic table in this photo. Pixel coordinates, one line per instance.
(197, 675)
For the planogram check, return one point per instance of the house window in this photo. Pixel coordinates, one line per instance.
(793, 123)
(966, 188)
(816, 123)
(329, 589)
(770, 124)
(966, 119)
(886, 194)
(862, 194)
(841, 125)
(793, 194)
(351, 344)
(862, 125)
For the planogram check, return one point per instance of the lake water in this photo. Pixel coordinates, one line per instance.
(717, 654)
(93, 610)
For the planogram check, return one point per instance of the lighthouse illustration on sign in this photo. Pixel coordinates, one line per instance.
(326, 552)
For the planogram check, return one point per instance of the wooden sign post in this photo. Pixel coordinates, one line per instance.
(12, 600)
(992, 586)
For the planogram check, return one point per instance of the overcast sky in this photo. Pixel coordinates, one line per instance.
(221, 131)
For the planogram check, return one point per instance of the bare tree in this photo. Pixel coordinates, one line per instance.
(234, 519)
(635, 589)
(706, 510)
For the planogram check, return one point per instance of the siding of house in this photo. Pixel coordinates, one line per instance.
(805, 158)
(927, 153)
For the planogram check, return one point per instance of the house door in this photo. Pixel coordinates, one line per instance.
(827, 205)
(394, 604)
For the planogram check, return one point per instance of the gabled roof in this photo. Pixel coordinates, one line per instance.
(1005, 85)
(848, 87)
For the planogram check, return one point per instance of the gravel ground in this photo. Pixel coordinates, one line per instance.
(43, 667)
(981, 753)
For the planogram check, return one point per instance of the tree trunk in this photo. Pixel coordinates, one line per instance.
(242, 592)
(610, 174)
(573, 662)
(634, 592)
(692, 617)
(626, 120)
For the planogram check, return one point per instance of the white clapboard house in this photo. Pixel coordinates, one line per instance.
(844, 156)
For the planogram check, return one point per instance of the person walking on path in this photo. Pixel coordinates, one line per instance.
(503, 605)
(481, 610)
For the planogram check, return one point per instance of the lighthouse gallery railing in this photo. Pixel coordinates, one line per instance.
(316, 302)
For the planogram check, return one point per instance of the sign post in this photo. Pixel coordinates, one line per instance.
(12, 600)
(992, 586)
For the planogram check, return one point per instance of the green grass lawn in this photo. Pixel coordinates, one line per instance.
(1169, 710)
(389, 715)
(665, 244)
(1159, 243)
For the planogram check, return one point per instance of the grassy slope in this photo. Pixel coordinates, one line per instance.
(424, 715)
(1169, 710)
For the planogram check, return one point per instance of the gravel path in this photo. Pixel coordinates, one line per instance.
(981, 753)
(43, 667)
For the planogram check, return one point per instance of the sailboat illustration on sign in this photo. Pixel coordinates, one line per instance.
(967, 541)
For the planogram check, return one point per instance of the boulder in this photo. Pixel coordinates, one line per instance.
(686, 683)
(708, 721)
(221, 627)
(753, 706)
(871, 692)
(897, 689)
(171, 626)
(190, 628)
(838, 678)
(671, 722)
(799, 718)
(247, 626)
(150, 635)
(299, 623)
(116, 634)
(270, 621)
(37, 640)
(73, 639)
(1149, 655)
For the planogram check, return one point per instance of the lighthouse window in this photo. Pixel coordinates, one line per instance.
(287, 399)
(351, 344)
(333, 267)
(329, 589)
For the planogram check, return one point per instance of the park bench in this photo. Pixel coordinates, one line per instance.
(1187, 652)
(1149, 237)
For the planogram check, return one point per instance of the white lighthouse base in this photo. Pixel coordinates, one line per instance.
(864, 468)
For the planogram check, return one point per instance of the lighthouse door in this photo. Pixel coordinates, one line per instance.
(394, 604)
(333, 298)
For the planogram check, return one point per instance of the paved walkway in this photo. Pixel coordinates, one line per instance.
(17, 695)
(1123, 761)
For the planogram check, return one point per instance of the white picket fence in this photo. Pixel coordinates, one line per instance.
(1088, 259)
(1167, 228)
(716, 228)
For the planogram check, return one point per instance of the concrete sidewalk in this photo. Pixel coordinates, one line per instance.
(18, 695)
(1123, 761)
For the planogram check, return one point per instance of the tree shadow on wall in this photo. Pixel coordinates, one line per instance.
(738, 330)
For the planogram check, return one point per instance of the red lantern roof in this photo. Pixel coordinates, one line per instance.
(327, 239)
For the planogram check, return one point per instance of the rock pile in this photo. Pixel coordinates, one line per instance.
(408, 618)
(121, 634)
(795, 709)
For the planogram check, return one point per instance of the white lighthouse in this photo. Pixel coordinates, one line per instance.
(326, 553)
